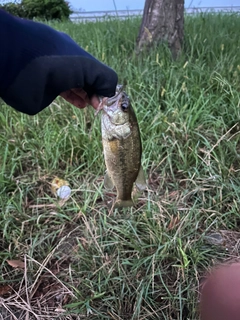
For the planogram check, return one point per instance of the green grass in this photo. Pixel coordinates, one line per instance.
(145, 262)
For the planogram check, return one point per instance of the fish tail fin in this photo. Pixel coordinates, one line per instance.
(123, 203)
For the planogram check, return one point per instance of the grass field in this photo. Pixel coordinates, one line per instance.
(78, 259)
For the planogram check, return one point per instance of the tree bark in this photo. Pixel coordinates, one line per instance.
(163, 21)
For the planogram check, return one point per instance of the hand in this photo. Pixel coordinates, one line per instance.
(80, 99)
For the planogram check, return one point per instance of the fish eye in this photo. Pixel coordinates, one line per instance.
(124, 106)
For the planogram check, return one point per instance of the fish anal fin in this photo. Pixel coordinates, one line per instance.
(108, 184)
(123, 203)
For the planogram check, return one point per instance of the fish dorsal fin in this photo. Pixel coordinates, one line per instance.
(108, 184)
(141, 181)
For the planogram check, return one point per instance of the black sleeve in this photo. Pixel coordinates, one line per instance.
(37, 63)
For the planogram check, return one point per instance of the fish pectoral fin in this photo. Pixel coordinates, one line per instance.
(141, 181)
(108, 184)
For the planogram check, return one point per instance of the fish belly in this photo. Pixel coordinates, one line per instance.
(123, 160)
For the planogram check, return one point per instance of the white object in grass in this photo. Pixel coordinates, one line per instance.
(64, 192)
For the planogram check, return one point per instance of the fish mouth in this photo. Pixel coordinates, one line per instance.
(112, 100)
(108, 102)
(116, 108)
(121, 97)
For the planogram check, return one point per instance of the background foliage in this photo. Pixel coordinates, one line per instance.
(39, 9)
(147, 262)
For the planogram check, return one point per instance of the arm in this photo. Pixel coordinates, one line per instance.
(38, 63)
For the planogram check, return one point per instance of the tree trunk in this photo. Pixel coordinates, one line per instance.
(163, 21)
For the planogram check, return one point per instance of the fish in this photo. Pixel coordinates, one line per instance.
(122, 148)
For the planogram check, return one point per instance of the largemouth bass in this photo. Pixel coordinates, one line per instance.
(122, 148)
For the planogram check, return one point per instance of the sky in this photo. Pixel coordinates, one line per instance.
(105, 5)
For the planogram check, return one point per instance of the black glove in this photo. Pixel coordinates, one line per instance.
(37, 63)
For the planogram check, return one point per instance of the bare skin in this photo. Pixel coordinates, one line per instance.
(79, 98)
